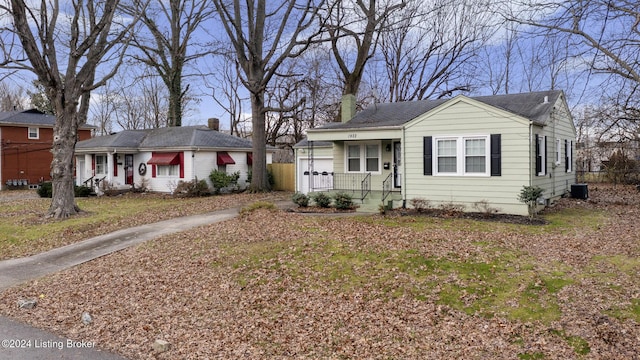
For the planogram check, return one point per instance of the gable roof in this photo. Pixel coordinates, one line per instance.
(531, 106)
(30, 117)
(172, 137)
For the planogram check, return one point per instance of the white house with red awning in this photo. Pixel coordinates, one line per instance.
(160, 158)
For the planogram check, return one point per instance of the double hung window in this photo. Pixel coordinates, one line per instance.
(363, 157)
(462, 155)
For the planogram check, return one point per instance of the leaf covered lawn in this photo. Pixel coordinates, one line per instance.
(273, 284)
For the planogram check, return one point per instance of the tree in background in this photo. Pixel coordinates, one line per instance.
(262, 37)
(171, 25)
(65, 60)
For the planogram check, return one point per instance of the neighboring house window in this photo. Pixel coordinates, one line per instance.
(541, 155)
(101, 164)
(34, 133)
(568, 157)
(363, 158)
(462, 155)
(558, 151)
(168, 170)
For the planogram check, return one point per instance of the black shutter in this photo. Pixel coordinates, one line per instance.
(496, 155)
(538, 159)
(546, 152)
(566, 155)
(427, 155)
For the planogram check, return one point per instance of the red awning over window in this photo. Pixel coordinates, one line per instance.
(224, 158)
(249, 158)
(164, 159)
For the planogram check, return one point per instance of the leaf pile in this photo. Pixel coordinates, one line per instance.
(274, 284)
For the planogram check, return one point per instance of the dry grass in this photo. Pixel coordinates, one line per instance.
(25, 231)
(272, 284)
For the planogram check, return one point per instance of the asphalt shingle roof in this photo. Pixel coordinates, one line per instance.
(185, 136)
(528, 105)
(31, 117)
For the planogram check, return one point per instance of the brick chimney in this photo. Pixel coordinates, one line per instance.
(214, 124)
(348, 107)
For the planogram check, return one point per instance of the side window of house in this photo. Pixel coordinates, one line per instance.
(541, 155)
(479, 155)
(34, 133)
(101, 164)
(568, 155)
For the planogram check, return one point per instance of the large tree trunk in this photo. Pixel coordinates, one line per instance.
(259, 179)
(64, 140)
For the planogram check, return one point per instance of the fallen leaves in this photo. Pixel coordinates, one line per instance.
(285, 285)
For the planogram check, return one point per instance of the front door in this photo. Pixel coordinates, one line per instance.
(397, 165)
(128, 169)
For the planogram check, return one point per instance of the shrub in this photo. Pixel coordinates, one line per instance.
(45, 190)
(300, 199)
(82, 191)
(321, 199)
(450, 209)
(343, 201)
(420, 204)
(193, 188)
(529, 195)
(221, 179)
(485, 208)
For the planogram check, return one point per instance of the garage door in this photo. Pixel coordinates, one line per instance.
(320, 179)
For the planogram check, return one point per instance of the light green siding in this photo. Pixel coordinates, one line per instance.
(556, 181)
(469, 118)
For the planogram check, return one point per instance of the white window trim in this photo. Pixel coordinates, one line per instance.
(461, 155)
(170, 167)
(558, 151)
(37, 130)
(543, 155)
(363, 156)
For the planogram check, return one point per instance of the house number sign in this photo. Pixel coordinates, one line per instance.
(352, 136)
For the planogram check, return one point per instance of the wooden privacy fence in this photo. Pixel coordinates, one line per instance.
(284, 176)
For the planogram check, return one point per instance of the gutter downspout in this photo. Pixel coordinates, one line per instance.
(403, 147)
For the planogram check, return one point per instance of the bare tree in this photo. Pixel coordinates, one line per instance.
(226, 92)
(427, 48)
(11, 98)
(168, 51)
(263, 36)
(605, 32)
(84, 34)
(356, 24)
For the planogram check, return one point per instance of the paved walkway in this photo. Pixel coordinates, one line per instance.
(21, 341)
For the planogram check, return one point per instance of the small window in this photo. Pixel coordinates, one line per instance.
(373, 157)
(569, 155)
(541, 155)
(34, 133)
(558, 151)
(475, 155)
(363, 157)
(446, 156)
(101, 164)
(353, 158)
(167, 170)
